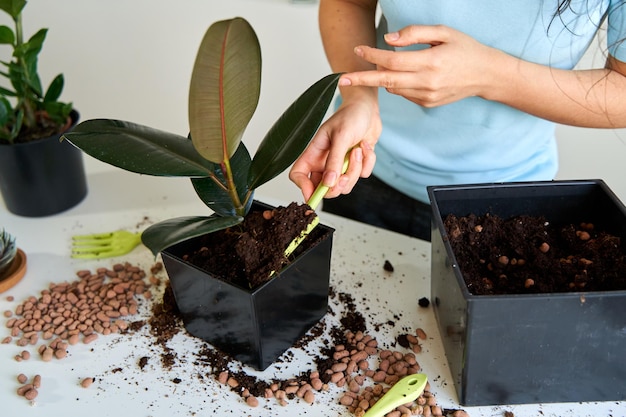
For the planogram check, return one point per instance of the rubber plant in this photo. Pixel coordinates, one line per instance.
(27, 112)
(223, 96)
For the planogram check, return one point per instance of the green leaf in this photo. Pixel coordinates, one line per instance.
(7, 36)
(170, 232)
(16, 75)
(17, 126)
(139, 149)
(6, 111)
(217, 198)
(55, 89)
(292, 132)
(58, 112)
(225, 88)
(28, 52)
(12, 7)
(5, 92)
(34, 44)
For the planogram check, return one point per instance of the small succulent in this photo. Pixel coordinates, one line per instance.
(7, 250)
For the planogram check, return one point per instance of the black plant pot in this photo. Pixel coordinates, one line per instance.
(43, 177)
(514, 349)
(253, 326)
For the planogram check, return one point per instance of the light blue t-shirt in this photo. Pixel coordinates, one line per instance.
(476, 140)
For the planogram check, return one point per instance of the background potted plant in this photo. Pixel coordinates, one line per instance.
(39, 176)
(254, 325)
(528, 346)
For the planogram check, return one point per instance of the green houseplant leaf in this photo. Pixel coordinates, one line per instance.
(55, 89)
(170, 232)
(27, 80)
(13, 7)
(225, 88)
(290, 135)
(139, 148)
(6, 35)
(215, 196)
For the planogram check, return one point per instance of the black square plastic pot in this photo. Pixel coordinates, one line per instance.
(253, 326)
(539, 348)
(42, 177)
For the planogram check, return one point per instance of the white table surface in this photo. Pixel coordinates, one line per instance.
(117, 200)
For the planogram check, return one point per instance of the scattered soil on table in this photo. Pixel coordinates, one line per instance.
(423, 302)
(350, 337)
(247, 254)
(363, 380)
(526, 254)
(166, 322)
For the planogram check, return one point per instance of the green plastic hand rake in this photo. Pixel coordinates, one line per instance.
(104, 245)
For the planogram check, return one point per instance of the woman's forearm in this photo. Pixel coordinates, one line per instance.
(345, 24)
(586, 98)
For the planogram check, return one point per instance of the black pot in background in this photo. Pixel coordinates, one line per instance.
(43, 177)
(253, 326)
(529, 348)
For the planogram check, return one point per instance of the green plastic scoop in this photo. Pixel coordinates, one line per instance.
(404, 391)
(313, 202)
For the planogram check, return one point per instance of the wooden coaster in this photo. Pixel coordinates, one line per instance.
(15, 273)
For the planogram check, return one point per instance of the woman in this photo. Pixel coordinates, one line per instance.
(471, 92)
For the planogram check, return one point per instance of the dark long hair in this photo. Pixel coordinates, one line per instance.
(564, 5)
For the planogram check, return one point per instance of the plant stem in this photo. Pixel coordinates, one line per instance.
(19, 32)
(24, 102)
(232, 188)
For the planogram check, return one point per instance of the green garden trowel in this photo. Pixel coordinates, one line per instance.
(313, 202)
(404, 391)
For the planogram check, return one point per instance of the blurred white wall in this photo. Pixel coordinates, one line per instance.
(132, 60)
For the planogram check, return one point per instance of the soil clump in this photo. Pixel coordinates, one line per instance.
(247, 254)
(526, 255)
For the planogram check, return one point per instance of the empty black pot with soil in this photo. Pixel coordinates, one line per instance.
(533, 347)
(253, 325)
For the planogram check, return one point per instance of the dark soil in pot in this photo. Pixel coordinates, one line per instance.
(247, 254)
(44, 127)
(526, 254)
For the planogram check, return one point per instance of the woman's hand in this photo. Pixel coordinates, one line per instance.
(456, 66)
(355, 125)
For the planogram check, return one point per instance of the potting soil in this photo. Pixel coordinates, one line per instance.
(248, 253)
(526, 254)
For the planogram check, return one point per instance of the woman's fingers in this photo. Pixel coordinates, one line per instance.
(352, 130)
(361, 164)
(347, 180)
(453, 67)
(422, 34)
(369, 159)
